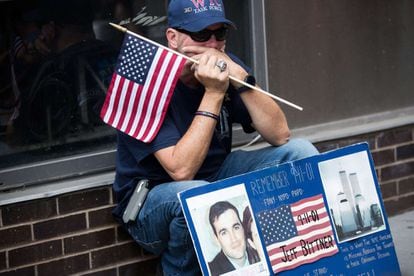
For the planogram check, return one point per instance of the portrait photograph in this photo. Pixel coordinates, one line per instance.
(227, 232)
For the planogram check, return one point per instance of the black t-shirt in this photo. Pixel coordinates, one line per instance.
(135, 159)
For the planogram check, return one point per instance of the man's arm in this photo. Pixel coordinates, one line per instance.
(267, 117)
(183, 160)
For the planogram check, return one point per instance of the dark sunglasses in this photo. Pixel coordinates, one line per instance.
(205, 35)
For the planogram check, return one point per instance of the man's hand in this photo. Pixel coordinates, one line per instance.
(234, 69)
(209, 74)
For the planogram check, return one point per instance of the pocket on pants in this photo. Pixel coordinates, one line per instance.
(146, 236)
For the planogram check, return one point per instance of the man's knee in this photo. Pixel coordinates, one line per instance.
(301, 148)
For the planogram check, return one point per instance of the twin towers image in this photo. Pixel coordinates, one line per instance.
(357, 215)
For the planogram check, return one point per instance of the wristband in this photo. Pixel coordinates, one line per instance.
(250, 80)
(207, 114)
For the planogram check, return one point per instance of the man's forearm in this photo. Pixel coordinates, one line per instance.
(268, 118)
(183, 160)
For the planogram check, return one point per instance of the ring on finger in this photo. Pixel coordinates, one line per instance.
(222, 65)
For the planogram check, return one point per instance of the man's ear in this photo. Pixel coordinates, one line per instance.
(172, 37)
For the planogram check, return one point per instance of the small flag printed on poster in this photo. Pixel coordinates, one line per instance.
(141, 88)
(297, 234)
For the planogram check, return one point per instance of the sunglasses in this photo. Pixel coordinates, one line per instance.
(205, 35)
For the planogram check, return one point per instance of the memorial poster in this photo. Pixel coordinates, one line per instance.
(322, 215)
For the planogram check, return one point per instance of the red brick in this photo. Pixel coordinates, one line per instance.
(66, 266)
(383, 157)
(84, 200)
(395, 136)
(35, 253)
(115, 254)
(106, 272)
(27, 271)
(102, 217)
(397, 171)
(122, 235)
(388, 190)
(3, 264)
(59, 226)
(147, 254)
(395, 207)
(334, 144)
(28, 211)
(406, 186)
(89, 241)
(358, 139)
(405, 152)
(326, 146)
(15, 235)
(147, 267)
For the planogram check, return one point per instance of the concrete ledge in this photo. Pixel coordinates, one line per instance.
(357, 125)
(56, 188)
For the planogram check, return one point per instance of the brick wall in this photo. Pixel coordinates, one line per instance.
(69, 234)
(75, 233)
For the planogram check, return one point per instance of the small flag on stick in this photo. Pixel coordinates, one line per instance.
(143, 83)
(141, 88)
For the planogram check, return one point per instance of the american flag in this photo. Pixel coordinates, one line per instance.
(297, 234)
(141, 88)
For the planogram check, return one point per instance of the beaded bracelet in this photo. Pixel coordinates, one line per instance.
(207, 114)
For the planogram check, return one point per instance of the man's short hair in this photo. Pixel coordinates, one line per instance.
(219, 208)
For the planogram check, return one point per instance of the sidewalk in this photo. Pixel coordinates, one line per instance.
(402, 230)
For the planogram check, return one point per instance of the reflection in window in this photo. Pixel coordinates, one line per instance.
(56, 62)
(57, 59)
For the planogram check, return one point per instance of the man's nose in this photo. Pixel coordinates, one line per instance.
(212, 42)
(233, 237)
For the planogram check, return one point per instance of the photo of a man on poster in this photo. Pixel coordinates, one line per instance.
(228, 229)
(226, 233)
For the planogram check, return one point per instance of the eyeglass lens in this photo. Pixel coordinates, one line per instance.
(205, 35)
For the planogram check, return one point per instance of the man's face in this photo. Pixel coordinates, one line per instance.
(230, 234)
(185, 40)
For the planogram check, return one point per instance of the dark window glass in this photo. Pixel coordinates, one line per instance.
(56, 63)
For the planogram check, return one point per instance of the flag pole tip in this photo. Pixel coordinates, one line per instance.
(118, 27)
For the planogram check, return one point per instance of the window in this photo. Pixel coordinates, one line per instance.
(57, 59)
